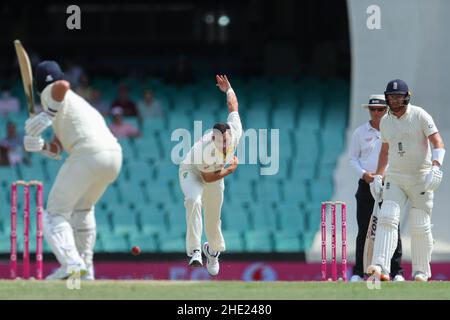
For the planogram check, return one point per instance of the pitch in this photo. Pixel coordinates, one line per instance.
(223, 290)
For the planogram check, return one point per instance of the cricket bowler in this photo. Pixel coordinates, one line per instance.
(94, 161)
(413, 174)
(201, 176)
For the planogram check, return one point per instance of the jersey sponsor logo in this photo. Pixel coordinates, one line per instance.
(430, 126)
(369, 139)
(401, 152)
(185, 174)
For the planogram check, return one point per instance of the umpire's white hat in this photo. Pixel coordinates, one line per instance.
(376, 100)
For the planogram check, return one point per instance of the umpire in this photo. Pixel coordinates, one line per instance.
(364, 150)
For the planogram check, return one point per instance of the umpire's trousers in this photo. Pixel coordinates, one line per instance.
(364, 207)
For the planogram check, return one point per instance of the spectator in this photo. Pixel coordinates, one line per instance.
(99, 103)
(12, 145)
(84, 89)
(8, 103)
(119, 128)
(128, 106)
(149, 107)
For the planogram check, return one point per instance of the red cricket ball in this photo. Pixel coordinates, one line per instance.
(135, 250)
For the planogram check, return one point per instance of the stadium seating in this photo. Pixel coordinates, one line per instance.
(144, 206)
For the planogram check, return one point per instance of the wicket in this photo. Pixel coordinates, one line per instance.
(343, 207)
(26, 229)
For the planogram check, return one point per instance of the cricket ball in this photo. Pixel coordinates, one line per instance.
(135, 250)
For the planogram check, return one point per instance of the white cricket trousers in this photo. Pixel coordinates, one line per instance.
(198, 194)
(81, 182)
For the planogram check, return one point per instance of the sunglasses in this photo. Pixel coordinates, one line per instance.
(373, 109)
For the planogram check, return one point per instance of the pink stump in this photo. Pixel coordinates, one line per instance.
(13, 254)
(333, 243)
(39, 233)
(26, 232)
(324, 242)
(344, 241)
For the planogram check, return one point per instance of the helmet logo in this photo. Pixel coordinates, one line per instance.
(49, 78)
(395, 85)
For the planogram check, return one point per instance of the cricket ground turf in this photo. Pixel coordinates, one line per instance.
(222, 290)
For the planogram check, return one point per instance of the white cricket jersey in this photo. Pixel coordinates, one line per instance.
(205, 157)
(364, 149)
(79, 127)
(407, 136)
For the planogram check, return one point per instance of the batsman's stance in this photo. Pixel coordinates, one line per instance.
(201, 178)
(94, 161)
(413, 174)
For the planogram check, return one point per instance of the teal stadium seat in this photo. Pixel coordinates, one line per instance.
(288, 241)
(292, 218)
(184, 101)
(180, 120)
(152, 219)
(138, 170)
(7, 176)
(176, 217)
(114, 243)
(241, 192)
(146, 147)
(258, 241)
(321, 190)
(332, 142)
(295, 191)
(310, 115)
(209, 102)
(283, 118)
(207, 118)
(302, 171)
(286, 145)
(172, 242)
(233, 241)
(257, 119)
(146, 242)
(131, 192)
(4, 243)
(263, 217)
(150, 125)
(267, 191)
(125, 223)
(307, 146)
(235, 217)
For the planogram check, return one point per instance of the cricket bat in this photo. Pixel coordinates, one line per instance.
(27, 75)
(370, 237)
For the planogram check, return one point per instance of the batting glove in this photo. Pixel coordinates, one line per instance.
(36, 125)
(376, 187)
(433, 179)
(33, 144)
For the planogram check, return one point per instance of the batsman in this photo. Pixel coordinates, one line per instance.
(94, 161)
(413, 174)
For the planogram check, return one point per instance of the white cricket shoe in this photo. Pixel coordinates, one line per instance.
(212, 261)
(420, 277)
(196, 259)
(64, 272)
(356, 278)
(90, 275)
(398, 278)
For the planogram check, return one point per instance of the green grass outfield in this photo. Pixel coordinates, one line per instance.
(168, 290)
